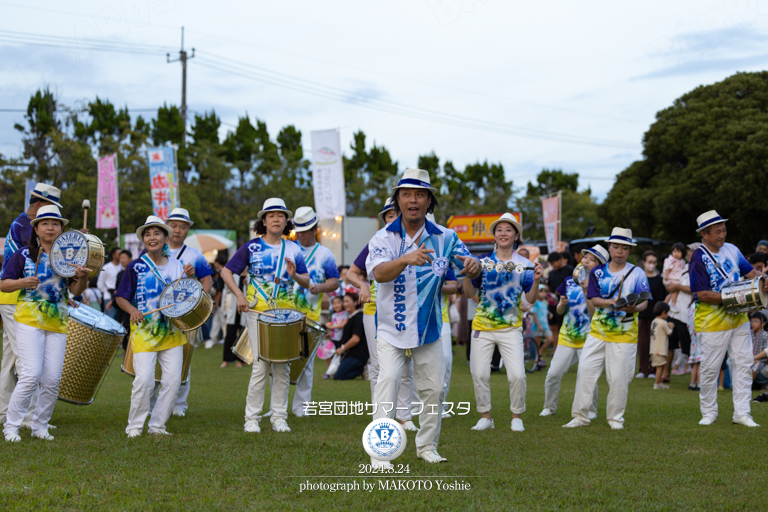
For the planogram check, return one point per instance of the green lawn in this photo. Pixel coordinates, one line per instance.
(662, 460)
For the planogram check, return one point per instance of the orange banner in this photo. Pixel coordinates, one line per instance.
(475, 228)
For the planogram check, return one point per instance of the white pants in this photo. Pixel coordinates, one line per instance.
(427, 373)
(171, 361)
(254, 401)
(445, 335)
(181, 395)
(219, 324)
(510, 343)
(407, 395)
(39, 363)
(738, 343)
(7, 377)
(619, 361)
(564, 358)
(303, 391)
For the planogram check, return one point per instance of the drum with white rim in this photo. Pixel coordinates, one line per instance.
(282, 335)
(74, 248)
(745, 296)
(186, 304)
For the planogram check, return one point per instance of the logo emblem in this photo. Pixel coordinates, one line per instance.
(384, 439)
(439, 266)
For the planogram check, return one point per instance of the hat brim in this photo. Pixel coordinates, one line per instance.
(288, 213)
(45, 199)
(622, 242)
(62, 219)
(410, 185)
(304, 228)
(710, 225)
(383, 213)
(165, 227)
(513, 223)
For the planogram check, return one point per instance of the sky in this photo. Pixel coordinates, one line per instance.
(530, 85)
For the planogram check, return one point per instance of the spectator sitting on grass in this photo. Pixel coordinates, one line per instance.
(354, 346)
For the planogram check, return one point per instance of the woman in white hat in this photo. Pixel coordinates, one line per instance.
(154, 338)
(612, 339)
(41, 322)
(274, 266)
(498, 322)
(713, 265)
(576, 326)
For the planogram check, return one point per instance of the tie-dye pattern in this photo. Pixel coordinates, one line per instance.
(17, 237)
(370, 307)
(500, 295)
(608, 326)
(706, 277)
(45, 307)
(576, 324)
(321, 268)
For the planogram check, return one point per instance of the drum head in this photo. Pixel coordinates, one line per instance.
(281, 316)
(89, 317)
(69, 248)
(184, 296)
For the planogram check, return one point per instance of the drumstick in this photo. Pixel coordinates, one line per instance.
(86, 206)
(39, 253)
(263, 313)
(158, 309)
(176, 282)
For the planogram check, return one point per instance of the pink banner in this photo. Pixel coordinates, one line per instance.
(551, 209)
(107, 210)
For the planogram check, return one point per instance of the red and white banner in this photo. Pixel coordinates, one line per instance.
(163, 180)
(551, 210)
(107, 207)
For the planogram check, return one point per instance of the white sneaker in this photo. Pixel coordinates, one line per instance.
(252, 426)
(267, 415)
(745, 420)
(707, 421)
(410, 426)
(640, 375)
(576, 422)
(546, 412)
(650, 376)
(432, 457)
(178, 411)
(28, 424)
(209, 344)
(136, 432)
(280, 426)
(446, 415)
(160, 432)
(483, 424)
(616, 425)
(12, 437)
(592, 415)
(517, 425)
(381, 464)
(43, 434)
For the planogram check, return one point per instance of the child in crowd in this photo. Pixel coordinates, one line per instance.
(694, 358)
(661, 328)
(339, 319)
(540, 328)
(674, 266)
(759, 345)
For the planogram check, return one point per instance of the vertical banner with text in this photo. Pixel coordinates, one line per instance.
(107, 206)
(163, 181)
(328, 174)
(551, 210)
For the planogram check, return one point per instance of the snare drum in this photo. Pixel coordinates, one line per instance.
(92, 340)
(282, 336)
(744, 296)
(127, 366)
(191, 305)
(73, 248)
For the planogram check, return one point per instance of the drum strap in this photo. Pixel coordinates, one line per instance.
(308, 259)
(278, 273)
(618, 286)
(717, 264)
(146, 259)
(183, 248)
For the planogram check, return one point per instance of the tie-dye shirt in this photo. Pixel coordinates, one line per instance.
(369, 308)
(17, 237)
(706, 277)
(500, 295)
(142, 288)
(321, 266)
(576, 324)
(408, 308)
(608, 326)
(262, 261)
(195, 258)
(45, 307)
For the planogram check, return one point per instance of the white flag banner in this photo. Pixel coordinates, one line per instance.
(328, 174)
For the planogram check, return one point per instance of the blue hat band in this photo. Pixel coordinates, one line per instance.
(179, 217)
(49, 216)
(302, 224)
(278, 207)
(713, 220)
(387, 208)
(619, 237)
(411, 181)
(596, 254)
(46, 195)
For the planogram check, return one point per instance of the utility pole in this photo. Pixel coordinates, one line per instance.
(183, 58)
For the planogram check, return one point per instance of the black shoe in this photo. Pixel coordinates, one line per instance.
(692, 387)
(761, 398)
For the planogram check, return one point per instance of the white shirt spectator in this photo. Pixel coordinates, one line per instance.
(108, 279)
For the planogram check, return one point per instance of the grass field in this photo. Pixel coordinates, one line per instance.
(662, 461)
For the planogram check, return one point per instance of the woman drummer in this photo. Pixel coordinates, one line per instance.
(273, 267)
(41, 323)
(498, 320)
(154, 338)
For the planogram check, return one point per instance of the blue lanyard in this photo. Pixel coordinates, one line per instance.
(153, 267)
(278, 274)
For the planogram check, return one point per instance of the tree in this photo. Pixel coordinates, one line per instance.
(709, 150)
(369, 176)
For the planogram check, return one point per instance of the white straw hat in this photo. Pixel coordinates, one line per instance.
(599, 252)
(305, 219)
(47, 193)
(388, 205)
(507, 217)
(275, 204)
(180, 214)
(49, 211)
(415, 178)
(708, 219)
(153, 221)
(621, 236)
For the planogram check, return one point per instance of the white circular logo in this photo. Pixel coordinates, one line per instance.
(439, 266)
(181, 297)
(384, 439)
(69, 250)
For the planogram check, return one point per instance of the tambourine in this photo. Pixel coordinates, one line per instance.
(580, 274)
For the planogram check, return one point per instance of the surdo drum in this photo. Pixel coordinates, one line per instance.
(74, 248)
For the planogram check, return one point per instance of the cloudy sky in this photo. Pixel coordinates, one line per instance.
(527, 84)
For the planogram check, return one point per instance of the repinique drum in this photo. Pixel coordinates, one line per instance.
(127, 366)
(92, 340)
(73, 248)
(282, 336)
(191, 306)
(744, 296)
(316, 334)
